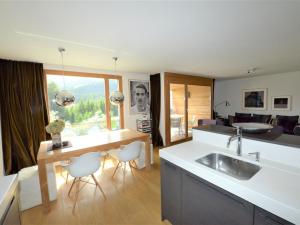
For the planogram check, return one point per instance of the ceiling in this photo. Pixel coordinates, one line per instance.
(217, 39)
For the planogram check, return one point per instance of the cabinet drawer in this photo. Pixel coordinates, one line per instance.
(204, 203)
(189, 200)
(263, 217)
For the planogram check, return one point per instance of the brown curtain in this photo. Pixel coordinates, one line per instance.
(213, 100)
(23, 113)
(155, 109)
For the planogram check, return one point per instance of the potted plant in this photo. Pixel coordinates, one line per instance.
(55, 128)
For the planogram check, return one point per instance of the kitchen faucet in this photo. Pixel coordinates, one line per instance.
(256, 154)
(237, 137)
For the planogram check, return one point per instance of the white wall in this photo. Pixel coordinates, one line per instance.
(276, 84)
(129, 120)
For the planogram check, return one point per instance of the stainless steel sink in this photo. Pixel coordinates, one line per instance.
(233, 167)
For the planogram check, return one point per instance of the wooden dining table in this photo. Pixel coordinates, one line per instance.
(84, 144)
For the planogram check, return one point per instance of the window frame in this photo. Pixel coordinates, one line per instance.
(106, 78)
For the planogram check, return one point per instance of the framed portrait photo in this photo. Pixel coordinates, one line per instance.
(139, 97)
(255, 99)
(281, 102)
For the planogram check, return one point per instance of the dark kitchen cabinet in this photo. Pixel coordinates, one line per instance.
(262, 217)
(204, 203)
(189, 200)
(171, 192)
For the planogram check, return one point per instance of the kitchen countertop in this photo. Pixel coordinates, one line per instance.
(282, 139)
(8, 186)
(274, 188)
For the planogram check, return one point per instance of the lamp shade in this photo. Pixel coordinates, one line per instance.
(116, 97)
(64, 98)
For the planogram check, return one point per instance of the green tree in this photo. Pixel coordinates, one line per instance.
(82, 109)
(102, 104)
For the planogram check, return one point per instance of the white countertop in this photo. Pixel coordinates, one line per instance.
(275, 188)
(8, 186)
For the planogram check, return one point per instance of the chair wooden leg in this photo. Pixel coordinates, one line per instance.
(131, 164)
(136, 167)
(67, 177)
(124, 170)
(85, 183)
(131, 169)
(76, 196)
(97, 184)
(103, 164)
(117, 167)
(71, 186)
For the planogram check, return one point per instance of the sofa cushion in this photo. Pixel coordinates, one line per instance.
(261, 118)
(297, 130)
(243, 117)
(202, 122)
(287, 122)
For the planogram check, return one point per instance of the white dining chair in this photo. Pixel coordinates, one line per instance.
(83, 166)
(126, 154)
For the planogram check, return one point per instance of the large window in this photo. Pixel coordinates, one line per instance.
(92, 111)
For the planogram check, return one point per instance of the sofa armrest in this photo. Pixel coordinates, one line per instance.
(297, 130)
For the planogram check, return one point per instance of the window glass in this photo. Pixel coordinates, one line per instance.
(87, 115)
(114, 109)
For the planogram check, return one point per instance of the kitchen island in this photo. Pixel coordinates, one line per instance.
(196, 194)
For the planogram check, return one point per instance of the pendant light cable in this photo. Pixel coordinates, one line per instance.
(64, 98)
(115, 59)
(116, 97)
(62, 50)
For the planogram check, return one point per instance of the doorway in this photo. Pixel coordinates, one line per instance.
(188, 98)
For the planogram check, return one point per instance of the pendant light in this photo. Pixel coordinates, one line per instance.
(116, 97)
(64, 98)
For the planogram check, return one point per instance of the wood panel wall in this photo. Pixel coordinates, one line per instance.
(199, 103)
(178, 95)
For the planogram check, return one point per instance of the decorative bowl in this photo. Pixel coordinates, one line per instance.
(254, 128)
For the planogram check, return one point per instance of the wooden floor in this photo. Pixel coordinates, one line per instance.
(133, 200)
